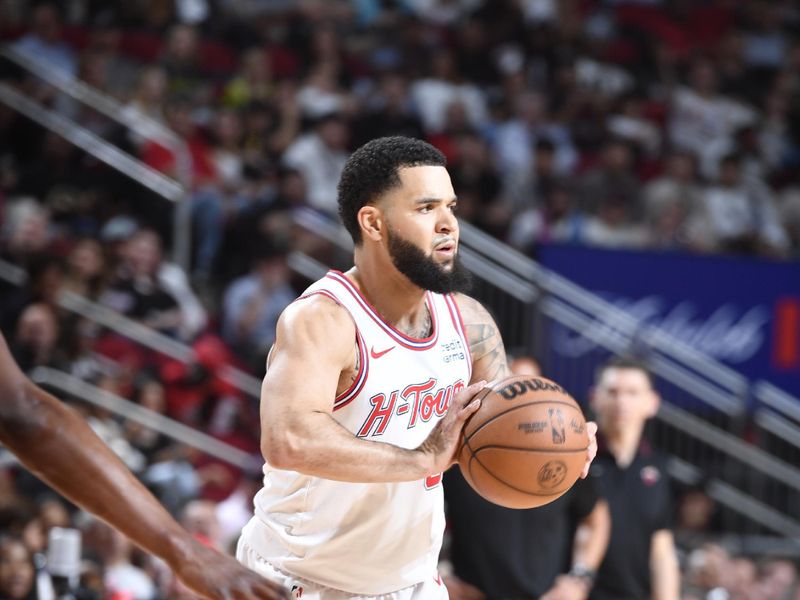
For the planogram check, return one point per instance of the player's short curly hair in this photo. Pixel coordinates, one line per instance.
(373, 169)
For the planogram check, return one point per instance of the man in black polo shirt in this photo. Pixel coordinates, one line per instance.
(641, 562)
(500, 553)
(551, 552)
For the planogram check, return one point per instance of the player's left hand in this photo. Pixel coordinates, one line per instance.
(567, 587)
(591, 451)
(214, 576)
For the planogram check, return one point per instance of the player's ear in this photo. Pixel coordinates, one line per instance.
(371, 221)
(653, 404)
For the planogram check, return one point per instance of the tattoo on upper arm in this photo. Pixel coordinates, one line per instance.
(485, 343)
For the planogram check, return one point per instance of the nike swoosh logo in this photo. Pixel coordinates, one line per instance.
(374, 354)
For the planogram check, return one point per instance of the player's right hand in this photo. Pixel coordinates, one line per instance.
(442, 443)
(214, 576)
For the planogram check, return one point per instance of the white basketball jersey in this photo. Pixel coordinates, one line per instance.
(370, 538)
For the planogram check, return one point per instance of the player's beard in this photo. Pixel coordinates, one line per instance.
(423, 271)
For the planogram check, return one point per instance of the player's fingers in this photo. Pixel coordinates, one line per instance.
(465, 396)
(469, 409)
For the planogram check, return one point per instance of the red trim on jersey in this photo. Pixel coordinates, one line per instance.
(460, 328)
(350, 393)
(400, 337)
(354, 390)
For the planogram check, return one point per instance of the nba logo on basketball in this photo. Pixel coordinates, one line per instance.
(557, 425)
(297, 591)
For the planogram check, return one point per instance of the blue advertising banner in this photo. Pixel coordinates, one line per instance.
(743, 312)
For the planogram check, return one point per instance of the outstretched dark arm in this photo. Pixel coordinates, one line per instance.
(56, 444)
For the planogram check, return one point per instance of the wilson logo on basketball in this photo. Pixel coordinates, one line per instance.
(421, 401)
(518, 388)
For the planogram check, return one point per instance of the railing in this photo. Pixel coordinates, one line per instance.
(150, 338)
(80, 390)
(147, 128)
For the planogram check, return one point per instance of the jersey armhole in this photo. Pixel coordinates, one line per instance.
(350, 393)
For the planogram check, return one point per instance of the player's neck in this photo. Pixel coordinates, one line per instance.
(624, 444)
(396, 299)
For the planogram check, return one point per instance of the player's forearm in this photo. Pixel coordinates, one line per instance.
(323, 448)
(591, 537)
(664, 569)
(666, 582)
(59, 447)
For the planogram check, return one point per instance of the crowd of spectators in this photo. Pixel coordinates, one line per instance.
(652, 124)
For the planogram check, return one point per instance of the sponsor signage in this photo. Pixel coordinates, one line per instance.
(743, 312)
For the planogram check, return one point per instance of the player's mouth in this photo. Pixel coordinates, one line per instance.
(446, 249)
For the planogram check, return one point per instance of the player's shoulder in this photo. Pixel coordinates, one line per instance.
(472, 311)
(316, 312)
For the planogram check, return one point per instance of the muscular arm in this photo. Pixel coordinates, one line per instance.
(59, 447)
(489, 360)
(314, 344)
(591, 537)
(664, 570)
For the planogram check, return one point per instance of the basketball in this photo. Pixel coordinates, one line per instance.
(526, 444)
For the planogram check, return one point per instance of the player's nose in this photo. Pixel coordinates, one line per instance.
(447, 222)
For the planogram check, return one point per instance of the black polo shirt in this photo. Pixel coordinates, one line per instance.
(640, 502)
(512, 554)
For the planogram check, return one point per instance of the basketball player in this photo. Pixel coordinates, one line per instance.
(59, 447)
(368, 385)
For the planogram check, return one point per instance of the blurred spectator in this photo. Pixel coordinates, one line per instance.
(86, 268)
(200, 519)
(319, 156)
(790, 216)
(253, 304)
(180, 61)
(146, 106)
(554, 219)
(741, 214)
(235, 511)
(253, 82)
(149, 393)
(443, 12)
(515, 143)
(17, 572)
(44, 43)
(324, 90)
(701, 119)
(443, 87)
(521, 363)
(121, 576)
(630, 124)
(388, 111)
(695, 518)
(26, 231)
(147, 288)
(269, 129)
(479, 188)
(35, 342)
(673, 205)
